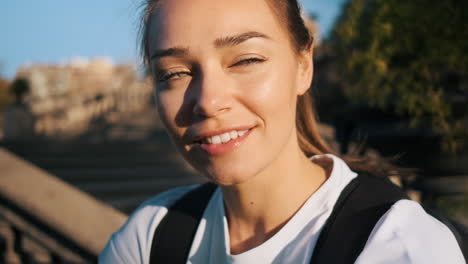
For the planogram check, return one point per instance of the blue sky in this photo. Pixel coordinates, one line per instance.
(54, 31)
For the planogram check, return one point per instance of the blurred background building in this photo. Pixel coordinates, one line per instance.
(65, 98)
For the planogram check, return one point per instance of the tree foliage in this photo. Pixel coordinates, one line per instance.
(410, 57)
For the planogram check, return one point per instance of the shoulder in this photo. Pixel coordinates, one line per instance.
(132, 243)
(407, 234)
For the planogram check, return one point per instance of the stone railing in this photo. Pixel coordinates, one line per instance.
(45, 220)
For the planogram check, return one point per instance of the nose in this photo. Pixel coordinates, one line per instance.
(212, 97)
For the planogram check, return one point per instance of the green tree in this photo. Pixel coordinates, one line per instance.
(410, 57)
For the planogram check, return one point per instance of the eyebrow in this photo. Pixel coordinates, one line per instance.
(176, 51)
(238, 39)
(218, 43)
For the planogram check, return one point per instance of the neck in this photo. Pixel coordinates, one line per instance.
(258, 208)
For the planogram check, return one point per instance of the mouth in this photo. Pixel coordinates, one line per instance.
(222, 138)
(220, 143)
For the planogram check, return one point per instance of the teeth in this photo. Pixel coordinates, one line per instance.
(225, 137)
(233, 134)
(216, 140)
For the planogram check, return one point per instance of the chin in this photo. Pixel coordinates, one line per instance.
(227, 174)
(233, 168)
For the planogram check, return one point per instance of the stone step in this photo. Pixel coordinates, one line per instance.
(128, 187)
(117, 150)
(77, 147)
(126, 194)
(128, 174)
(132, 161)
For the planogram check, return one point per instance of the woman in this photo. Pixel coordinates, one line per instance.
(231, 81)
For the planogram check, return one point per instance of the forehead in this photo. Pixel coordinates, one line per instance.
(199, 22)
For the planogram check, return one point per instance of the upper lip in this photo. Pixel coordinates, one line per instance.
(197, 135)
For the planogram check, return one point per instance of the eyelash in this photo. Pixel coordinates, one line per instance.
(169, 75)
(164, 77)
(248, 61)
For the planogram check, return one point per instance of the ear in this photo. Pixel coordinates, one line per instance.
(306, 70)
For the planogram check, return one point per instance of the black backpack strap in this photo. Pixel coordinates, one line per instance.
(174, 235)
(358, 209)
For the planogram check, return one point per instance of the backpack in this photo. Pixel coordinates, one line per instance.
(359, 207)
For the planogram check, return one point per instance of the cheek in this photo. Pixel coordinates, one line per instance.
(169, 104)
(271, 92)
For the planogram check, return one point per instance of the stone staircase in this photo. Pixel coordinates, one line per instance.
(123, 159)
(123, 174)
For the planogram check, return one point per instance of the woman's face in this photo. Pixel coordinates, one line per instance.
(226, 79)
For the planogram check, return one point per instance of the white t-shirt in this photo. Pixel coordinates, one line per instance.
(404, 234)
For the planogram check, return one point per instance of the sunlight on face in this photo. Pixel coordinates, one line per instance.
(226, 80)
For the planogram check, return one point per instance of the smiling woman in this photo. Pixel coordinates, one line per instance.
(231, 81)
(214, 79)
